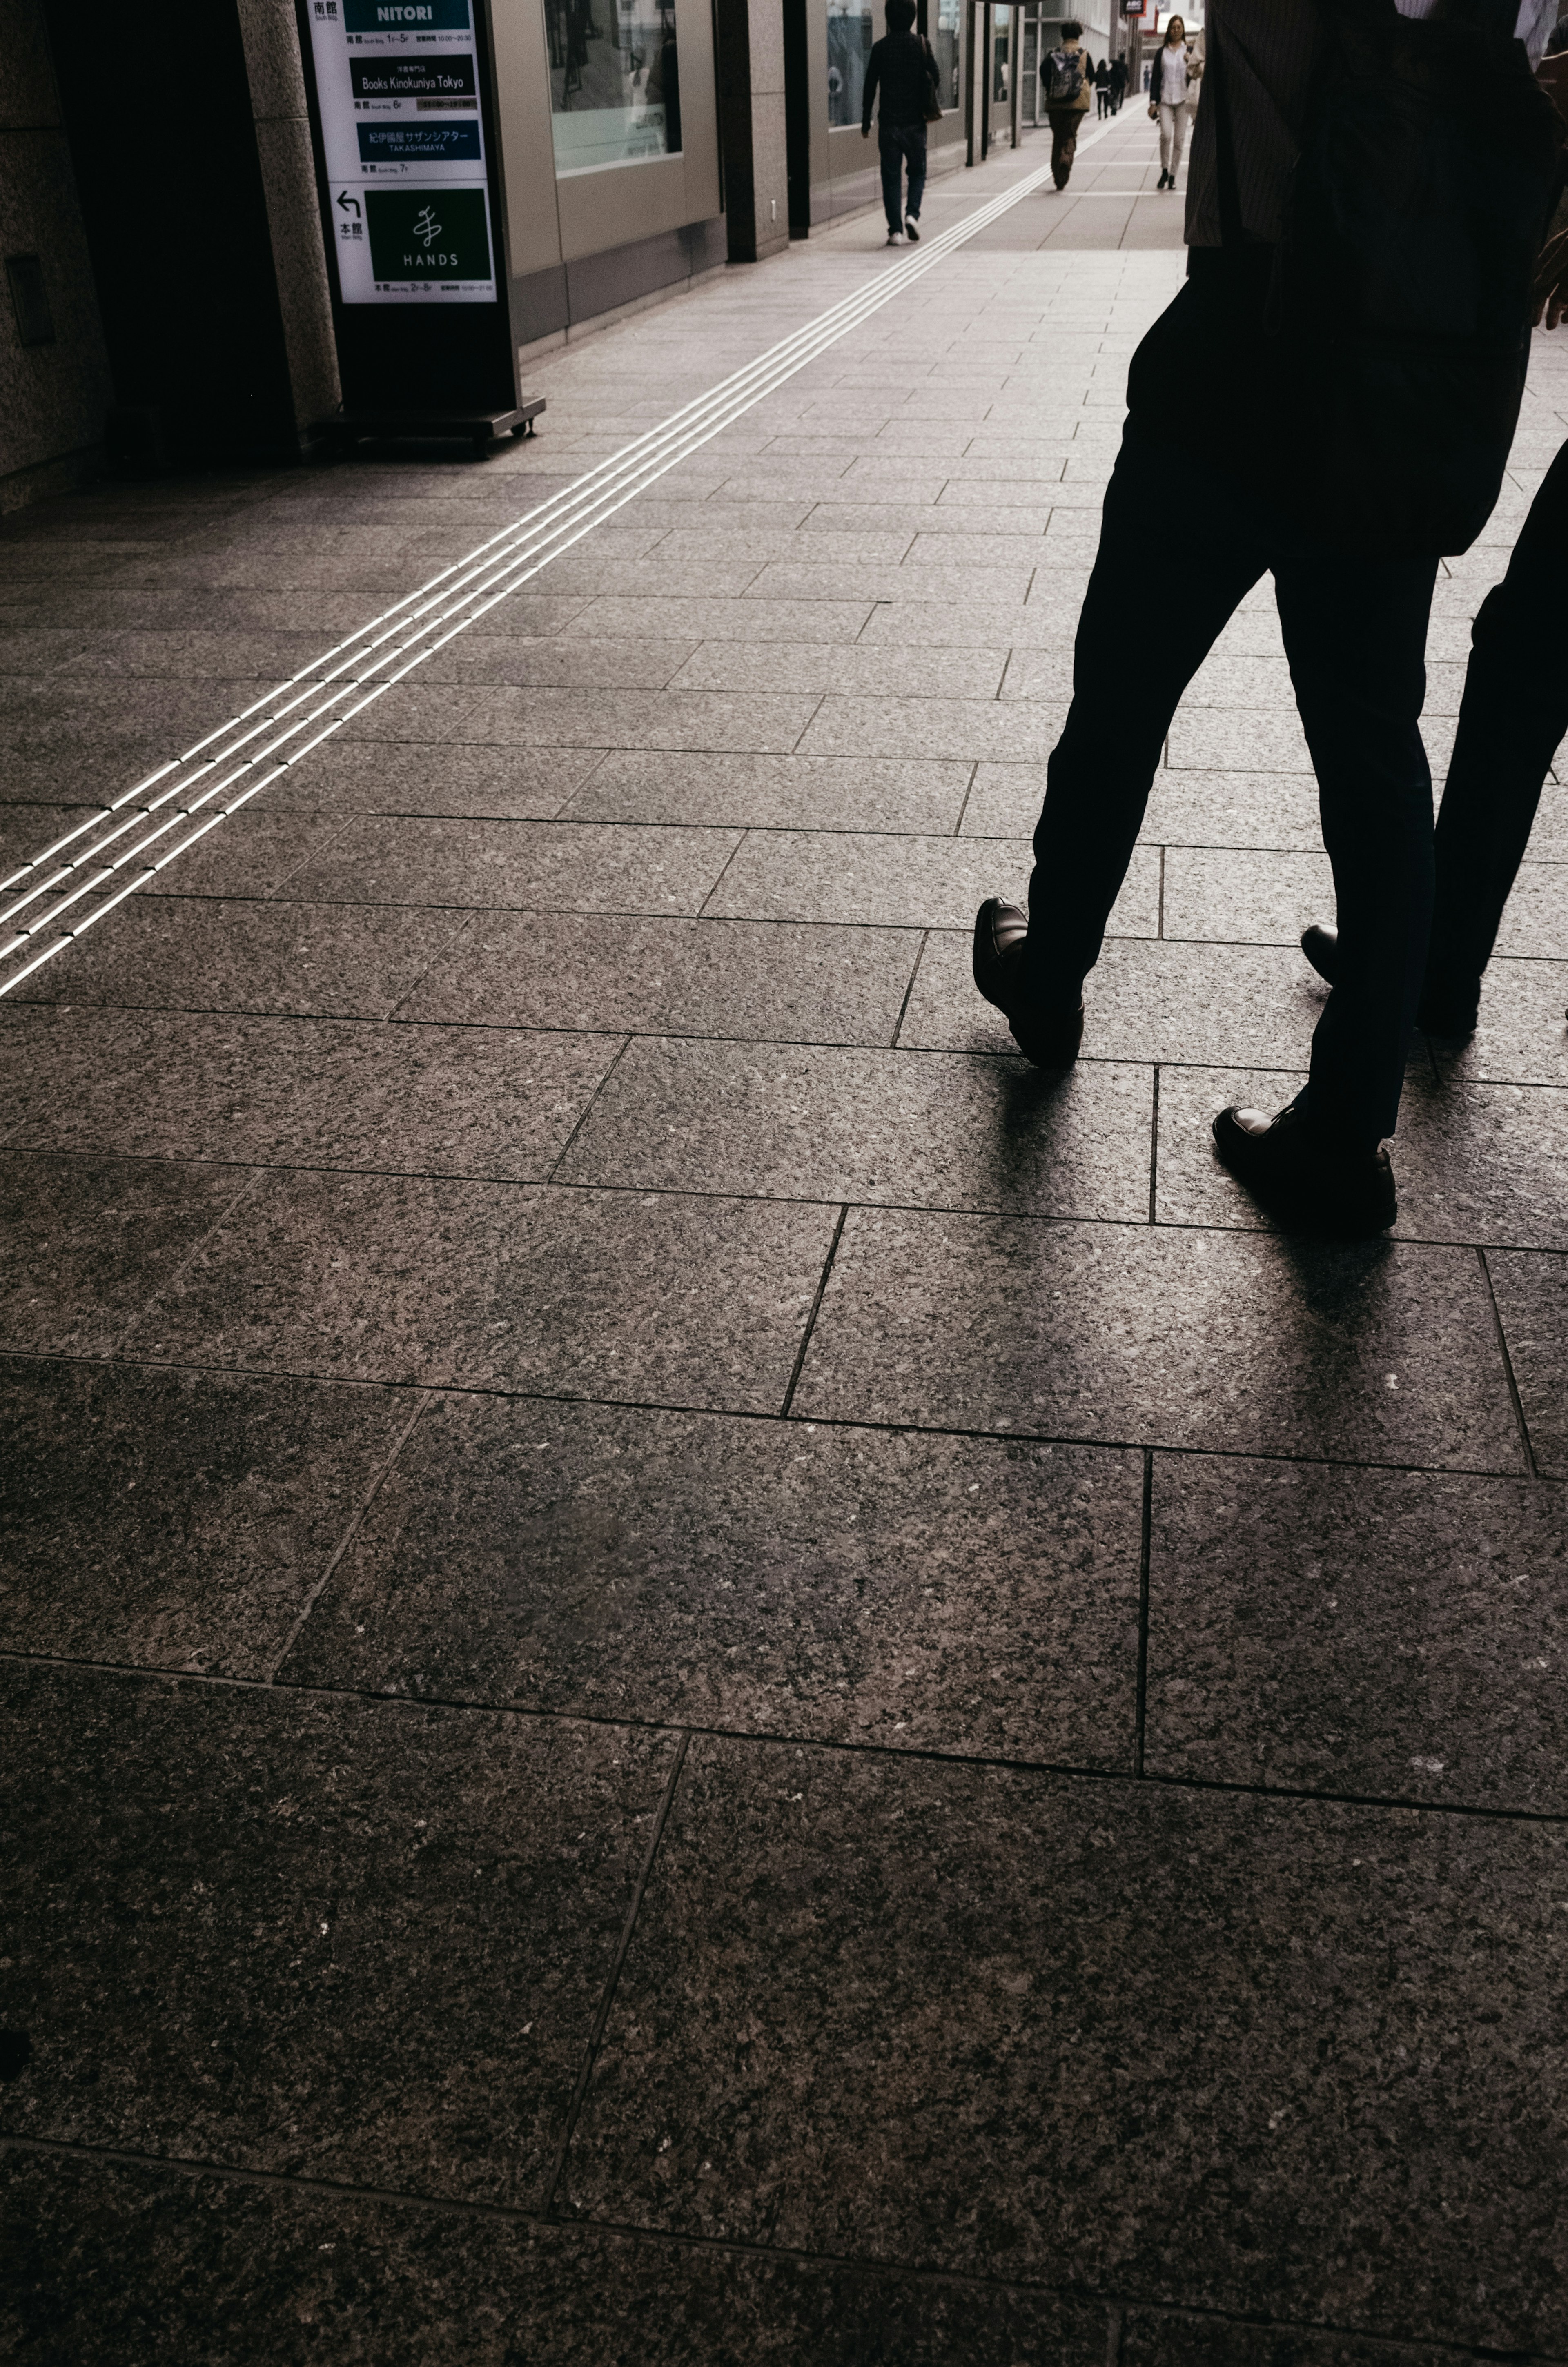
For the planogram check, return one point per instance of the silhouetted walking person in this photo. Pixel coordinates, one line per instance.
(1312, 465)
(1067, 90)
(901, 67)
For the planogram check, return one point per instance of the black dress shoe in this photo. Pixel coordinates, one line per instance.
(1050, 1038)
(1310, 1185)
(1445, 1009)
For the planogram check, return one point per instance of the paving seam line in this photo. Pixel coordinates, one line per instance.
(492, 572)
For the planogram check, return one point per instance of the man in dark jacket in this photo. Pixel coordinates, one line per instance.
(902, 69)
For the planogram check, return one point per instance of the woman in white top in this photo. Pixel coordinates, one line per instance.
(1171, 86)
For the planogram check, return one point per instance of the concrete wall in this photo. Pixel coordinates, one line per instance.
(53, 398)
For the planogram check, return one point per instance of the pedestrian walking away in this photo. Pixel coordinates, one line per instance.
(1118, 84)
(1102, 91)
(1067, 89)
(1311, 458)
(902, 70)
(1513, 717)
(1172, 85)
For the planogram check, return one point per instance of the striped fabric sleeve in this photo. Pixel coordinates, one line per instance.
(1271, 52)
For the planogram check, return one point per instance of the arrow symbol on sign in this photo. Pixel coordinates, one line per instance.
(350, 205)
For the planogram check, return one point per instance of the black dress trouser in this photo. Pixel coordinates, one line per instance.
(1513, 715)
(1355, 632)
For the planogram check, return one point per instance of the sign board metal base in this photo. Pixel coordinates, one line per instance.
(480, 429)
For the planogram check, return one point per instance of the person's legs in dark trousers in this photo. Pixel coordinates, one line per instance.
(1355, 631)
(1063, 142)
(913, 138)
(1514, 713)
(890, 150)
(1102, 768)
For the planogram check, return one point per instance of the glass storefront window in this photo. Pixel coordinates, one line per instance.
(614, 82)
(848, 47)
(1001, 54)
(945, 43)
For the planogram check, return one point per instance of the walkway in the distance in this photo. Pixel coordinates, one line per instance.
(694, 1672)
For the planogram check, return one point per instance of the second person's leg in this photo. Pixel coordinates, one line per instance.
(915, 149)
(1355, 631)
(1514, 713)
(890, 150)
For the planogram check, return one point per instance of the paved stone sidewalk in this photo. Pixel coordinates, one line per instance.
(693, 1670)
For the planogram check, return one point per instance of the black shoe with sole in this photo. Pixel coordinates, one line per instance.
(1443, 1010)
(912, 228)
(1050, 1038)
(1308, 1185)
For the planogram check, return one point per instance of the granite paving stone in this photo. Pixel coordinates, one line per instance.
(921, 1592)
(1535, 922)
(1481, 1163)
(1238, 1006)
(790, 622)
(912, 882)
(213, 2272)
(1245, 897)
(1224, 1340)
(169, 953)
(612, 1295)
(1397, 1634)
(600, 718)
(849, 668)
(1163, 2338)
(846, 726)
(746, 979)
(1532, 1308)
(824, 1123)
(520, 863)
(356, 1941)
(774, 792)
(254, 853)
(1060, 2028)
(568, 660)
(175, 1519)
(470, 781)
(453, 1101)
(1522, 1038)
(90, 1240)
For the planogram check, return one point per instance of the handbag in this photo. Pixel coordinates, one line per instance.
(933, 104)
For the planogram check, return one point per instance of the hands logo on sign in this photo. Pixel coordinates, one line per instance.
(426, 227)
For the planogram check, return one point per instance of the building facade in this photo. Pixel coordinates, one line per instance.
(640, 144)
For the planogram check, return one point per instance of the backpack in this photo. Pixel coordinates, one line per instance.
(1066, 78)
(1396, 328)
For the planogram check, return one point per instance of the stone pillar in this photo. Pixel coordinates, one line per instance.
(751, 127)
(55, 377)
(193, 167)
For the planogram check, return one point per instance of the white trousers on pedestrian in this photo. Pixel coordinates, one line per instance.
(1173, 132)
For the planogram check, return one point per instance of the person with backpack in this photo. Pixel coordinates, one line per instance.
(901, 67)
(1062, 71)
(1349, 369)
(1172, 83)
(1102, 91)
(1067, 99)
